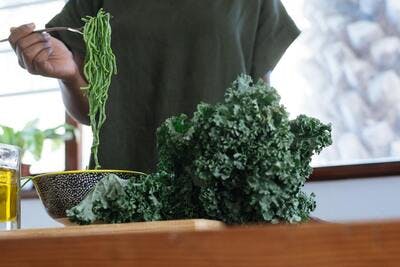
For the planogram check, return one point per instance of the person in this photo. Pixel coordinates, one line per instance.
(171, 55)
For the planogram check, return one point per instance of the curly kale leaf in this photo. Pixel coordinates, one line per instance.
(111, 201)
(108, 195)
(311, 136)
(149, 196)
(244, 160)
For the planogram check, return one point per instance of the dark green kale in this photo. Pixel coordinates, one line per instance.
(245, 160)
(239, 161)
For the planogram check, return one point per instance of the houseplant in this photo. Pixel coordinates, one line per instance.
(30, 139)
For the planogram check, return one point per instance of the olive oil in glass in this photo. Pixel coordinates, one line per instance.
(9, 188)
(8, 195)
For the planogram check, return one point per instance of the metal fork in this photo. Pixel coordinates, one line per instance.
(54, 29)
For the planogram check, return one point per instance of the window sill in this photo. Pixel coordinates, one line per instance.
(357, 171)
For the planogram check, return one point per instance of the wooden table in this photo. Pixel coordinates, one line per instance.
(313, 244)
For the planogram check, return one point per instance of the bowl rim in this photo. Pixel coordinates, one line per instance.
(85, 171)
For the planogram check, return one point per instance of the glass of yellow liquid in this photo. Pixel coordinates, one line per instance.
(10, 210)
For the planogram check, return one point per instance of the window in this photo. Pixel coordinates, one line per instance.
(25, 97)
(345, 69)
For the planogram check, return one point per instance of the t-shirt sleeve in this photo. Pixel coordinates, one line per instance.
(276, 32)
(71, 16)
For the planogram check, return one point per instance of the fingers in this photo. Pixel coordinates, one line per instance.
(41, 64)
(27, 47)
(34, 55)
(32, 39)
(41, 54)
(31, 48)
(20, 32)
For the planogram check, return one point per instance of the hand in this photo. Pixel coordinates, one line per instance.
(42, 54)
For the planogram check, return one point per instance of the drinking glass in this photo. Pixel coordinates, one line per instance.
(10, 211)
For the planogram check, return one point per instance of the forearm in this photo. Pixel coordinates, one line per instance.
(74, 100)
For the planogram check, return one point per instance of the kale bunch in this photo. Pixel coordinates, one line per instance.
(244, 159)
(239, 161)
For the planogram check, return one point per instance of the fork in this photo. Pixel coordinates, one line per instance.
(54, 29)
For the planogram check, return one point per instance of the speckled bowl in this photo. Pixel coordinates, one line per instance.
(60, 191)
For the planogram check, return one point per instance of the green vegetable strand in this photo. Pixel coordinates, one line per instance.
(100, 65)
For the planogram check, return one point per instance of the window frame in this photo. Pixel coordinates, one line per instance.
(356, 171)
(73, 147)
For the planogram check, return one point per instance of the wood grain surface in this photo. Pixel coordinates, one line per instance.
(106, 229)
(313, 244)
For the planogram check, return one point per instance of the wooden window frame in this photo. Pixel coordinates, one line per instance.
(356, 171)
(73, 148)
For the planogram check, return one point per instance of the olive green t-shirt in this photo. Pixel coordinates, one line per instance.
(172, 55)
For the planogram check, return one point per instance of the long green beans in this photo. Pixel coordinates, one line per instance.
(100, 65)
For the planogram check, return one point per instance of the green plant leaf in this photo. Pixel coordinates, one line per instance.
(31, 139)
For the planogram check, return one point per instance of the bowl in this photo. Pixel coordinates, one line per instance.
(60, 191)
